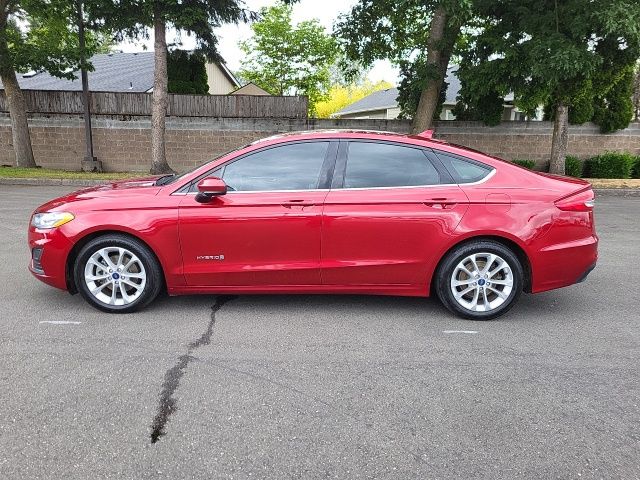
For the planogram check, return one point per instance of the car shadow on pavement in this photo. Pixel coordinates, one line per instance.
(529, 308)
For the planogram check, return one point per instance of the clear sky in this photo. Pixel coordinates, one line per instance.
(326, 11)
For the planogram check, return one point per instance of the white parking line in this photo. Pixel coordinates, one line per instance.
(60, 322)
(459, 331)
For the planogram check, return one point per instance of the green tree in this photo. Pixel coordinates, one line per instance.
(613, 108)
(487, 108)
(347, 72)
(582, 105)
(284, 58)
(606, 100)
(636, 95)
(36, 35)
(547, 51)
(199, 18)
(419, 36)
(187, 73)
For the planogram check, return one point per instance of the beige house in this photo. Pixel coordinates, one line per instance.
(250, 89)
(220, 79)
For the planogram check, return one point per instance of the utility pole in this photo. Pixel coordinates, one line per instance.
(90, 163)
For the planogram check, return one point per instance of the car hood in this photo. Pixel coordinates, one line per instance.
(130, 188)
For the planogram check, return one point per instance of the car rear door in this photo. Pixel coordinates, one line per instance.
(388, 216)
(266, 229)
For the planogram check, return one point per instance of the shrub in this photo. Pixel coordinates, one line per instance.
(610, 165)
(614, 110)
(635, 170)
(525, 163)
(573, 166)
(186, 73)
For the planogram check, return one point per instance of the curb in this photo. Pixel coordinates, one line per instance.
(617, 192)
(51, 182)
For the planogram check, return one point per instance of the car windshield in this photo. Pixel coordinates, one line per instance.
(171, 178)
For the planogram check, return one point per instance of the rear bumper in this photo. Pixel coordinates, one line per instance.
(565, 264)
(584, 276)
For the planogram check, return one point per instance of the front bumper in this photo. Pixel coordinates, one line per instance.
(49, 252)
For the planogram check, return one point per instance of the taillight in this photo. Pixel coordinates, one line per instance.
(577, 202)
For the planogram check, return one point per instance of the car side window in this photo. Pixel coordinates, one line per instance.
(371, 164)
(293, 166)
(463, 171)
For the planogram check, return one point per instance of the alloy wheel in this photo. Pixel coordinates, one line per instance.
(482, 282)
(115, 276)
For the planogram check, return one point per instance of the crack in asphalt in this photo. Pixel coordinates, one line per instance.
(168, 404)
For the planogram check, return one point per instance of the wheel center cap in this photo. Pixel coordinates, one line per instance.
(115, 276)
(482, 281)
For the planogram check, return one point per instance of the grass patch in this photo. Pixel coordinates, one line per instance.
(15, 172)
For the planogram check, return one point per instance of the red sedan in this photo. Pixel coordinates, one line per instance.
(324, 212)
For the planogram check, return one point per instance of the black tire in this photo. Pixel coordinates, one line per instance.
(154, 277)
(445, 272)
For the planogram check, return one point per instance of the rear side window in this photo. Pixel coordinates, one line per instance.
(372, 165)
(463, 171)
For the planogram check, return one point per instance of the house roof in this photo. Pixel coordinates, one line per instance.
(113, 72)
(380, 100)
(385, 99)
(229, 74)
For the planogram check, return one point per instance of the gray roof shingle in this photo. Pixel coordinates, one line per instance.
(385, 99)
(113, 72)
(382, 99)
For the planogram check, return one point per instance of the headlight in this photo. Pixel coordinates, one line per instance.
(51, 219)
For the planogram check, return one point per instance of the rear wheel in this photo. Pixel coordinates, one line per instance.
(480, 280)
(117, 273)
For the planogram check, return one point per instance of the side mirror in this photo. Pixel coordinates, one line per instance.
(210, 187)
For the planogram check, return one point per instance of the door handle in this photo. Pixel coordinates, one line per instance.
(440, 202)
(297, 203)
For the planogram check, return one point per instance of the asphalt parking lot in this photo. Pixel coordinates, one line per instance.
(321, 386)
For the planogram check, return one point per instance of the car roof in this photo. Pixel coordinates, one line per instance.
(345, 133)
(423, 139)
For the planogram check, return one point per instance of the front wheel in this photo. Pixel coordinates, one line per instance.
(480, 280)
(118, 274)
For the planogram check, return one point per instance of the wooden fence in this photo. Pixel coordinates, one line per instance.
(139, 104)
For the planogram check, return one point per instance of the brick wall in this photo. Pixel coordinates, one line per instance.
(532, 140)
(124, 144)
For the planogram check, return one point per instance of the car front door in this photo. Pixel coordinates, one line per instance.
(266, 229)
(387, 216)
